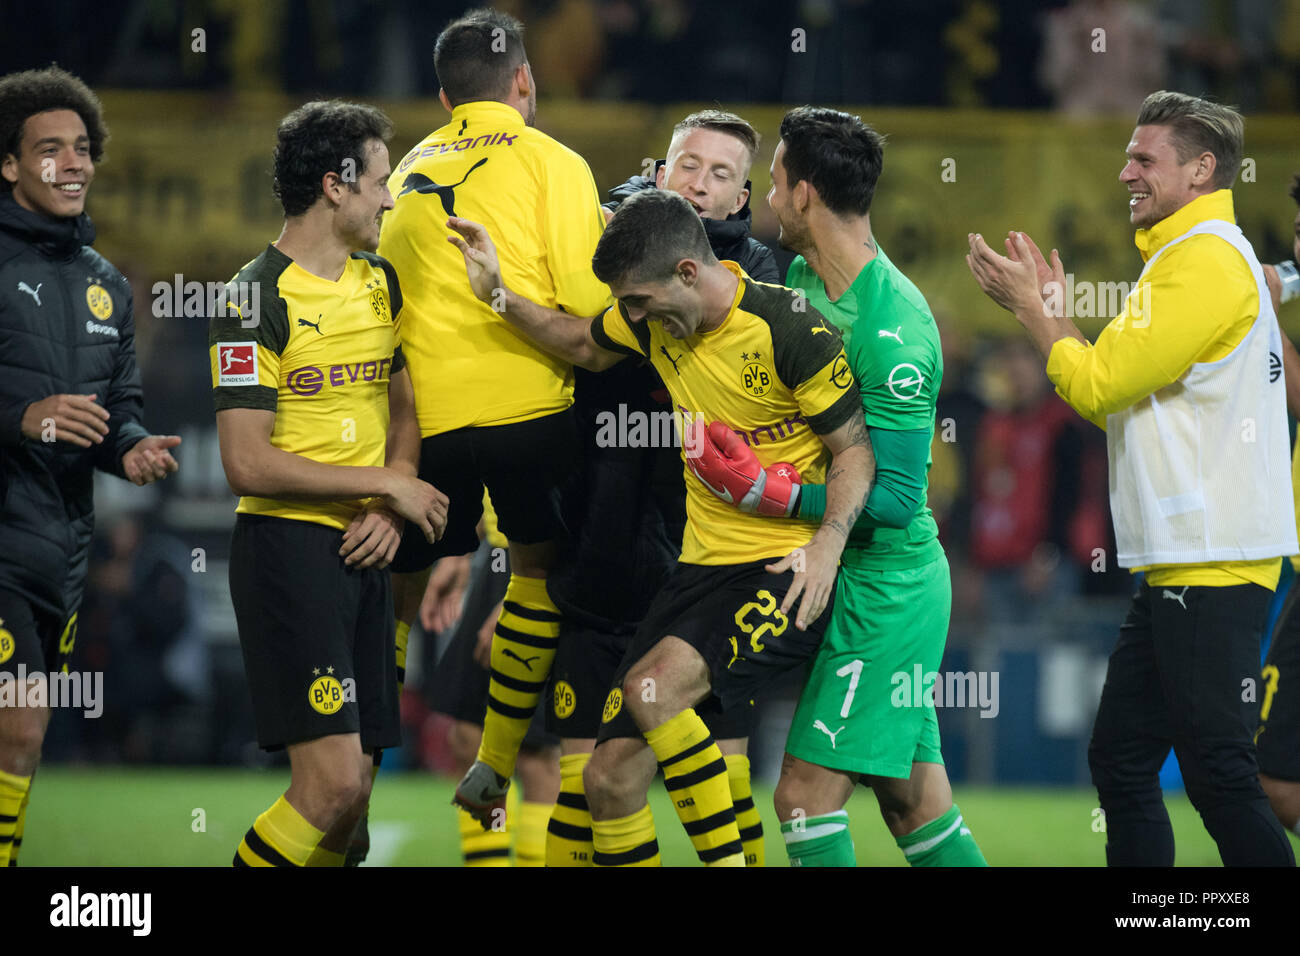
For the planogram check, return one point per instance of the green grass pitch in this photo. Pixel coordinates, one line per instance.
(116, 816)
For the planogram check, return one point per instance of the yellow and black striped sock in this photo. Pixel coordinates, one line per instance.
(742, 798)
(13, 800)
(323, 857)
(696, 777)
(402, 635)
(523, 647)
(626, 841)
(479, 847)
(568, 835)
(530, 834)
(18, 827)
(279, 837)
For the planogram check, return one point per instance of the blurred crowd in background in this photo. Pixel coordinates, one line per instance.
(1012, 53)
(1019, 483)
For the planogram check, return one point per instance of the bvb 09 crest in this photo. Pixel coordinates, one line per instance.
(379, 302)
(756, 378)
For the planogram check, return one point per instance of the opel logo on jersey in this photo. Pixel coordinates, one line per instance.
(422, 184)
(841, 376)
(905, 381)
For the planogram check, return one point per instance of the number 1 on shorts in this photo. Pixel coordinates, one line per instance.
(854, 668)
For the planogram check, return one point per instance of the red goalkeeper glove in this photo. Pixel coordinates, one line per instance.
(729, 468)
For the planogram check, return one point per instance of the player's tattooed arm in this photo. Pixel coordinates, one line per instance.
(848, 483)
(565, 336)
(848, 443)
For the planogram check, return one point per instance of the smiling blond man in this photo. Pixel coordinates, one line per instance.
(1183, 382)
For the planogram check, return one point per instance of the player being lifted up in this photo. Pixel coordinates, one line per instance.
(894, 597)
(316, 421)
(493, 409)
(728, 349)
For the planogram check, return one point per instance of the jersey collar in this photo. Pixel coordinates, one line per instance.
(1215, 205)
(735, 269)
(487, 111)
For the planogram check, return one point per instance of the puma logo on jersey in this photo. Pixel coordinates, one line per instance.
(664, 349)
(422, 184)
(1170, 595)
(34, 293)
(895, 335)
(821, 328)
(527, 663)
(818, 725)
(314, 325)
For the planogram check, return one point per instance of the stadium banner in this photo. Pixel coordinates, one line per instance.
(186, 186)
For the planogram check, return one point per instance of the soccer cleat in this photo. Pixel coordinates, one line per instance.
(482, 793)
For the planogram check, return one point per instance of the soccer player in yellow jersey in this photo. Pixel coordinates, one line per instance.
(493, 408)
(744, 353)
(316, 422)
(1196, 427)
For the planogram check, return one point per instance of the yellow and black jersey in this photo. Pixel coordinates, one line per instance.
(319, 356)
(773, 371)
(539, 203)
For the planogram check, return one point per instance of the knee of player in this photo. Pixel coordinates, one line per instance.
(21, 733)
(340, 789)
(790, 800)
(601, 779)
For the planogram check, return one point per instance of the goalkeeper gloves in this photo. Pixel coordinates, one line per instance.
(729, 468)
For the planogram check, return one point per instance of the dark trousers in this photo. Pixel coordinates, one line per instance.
(1185, 673)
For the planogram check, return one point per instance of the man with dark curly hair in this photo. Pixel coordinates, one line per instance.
(316, 419)
(70, 402)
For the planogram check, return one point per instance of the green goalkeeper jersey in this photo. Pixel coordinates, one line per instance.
(892, 344)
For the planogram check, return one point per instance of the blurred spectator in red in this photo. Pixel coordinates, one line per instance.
(1035, 516)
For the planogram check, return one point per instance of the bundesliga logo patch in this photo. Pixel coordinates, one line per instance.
(237, 363)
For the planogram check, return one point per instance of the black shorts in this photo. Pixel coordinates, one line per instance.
(521, 464)
(459, 687)
(730, 614)
(1278, 739)
(32, 638)
(584, 669)
(317, 636)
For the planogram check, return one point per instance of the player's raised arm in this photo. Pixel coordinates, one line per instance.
(565, 336)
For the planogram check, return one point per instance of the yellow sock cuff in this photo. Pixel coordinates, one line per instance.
(677, 734)
(288, 832)
(323, 857)
(529, 592)
(530, 836)
(572, 765)
(620, 829)
(738, 773)
(13, 786)
(626, 841)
